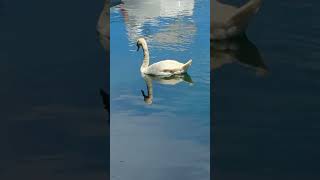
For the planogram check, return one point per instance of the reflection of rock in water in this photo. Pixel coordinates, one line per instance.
(237, 50)
(172, 80)
(139, 15)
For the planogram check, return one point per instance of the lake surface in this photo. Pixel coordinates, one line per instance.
(53, 124)
(265, 105)
(166, 136)
(266, 102)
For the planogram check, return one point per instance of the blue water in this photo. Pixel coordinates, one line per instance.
(266, 106)
(170, 137)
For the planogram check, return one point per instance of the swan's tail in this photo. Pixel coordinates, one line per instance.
(244, 13)
(187, 65)
(251, 7)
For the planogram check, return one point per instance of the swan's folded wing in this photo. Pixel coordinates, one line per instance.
(164, 68)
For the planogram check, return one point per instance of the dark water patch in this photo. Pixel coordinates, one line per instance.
(266, 126)
(53, 124)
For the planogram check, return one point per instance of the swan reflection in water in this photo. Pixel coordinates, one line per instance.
(237, 50)
(172, 80)
(229, 43)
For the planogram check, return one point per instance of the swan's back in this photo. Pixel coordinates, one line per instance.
(167, 68)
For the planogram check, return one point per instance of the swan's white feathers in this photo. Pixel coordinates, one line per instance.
(167, 68)
(161, 68)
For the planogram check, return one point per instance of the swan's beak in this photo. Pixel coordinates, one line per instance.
(138, 47)
(143, 94)
(147, 99)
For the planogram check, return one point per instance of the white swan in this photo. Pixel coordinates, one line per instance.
(228, 21)
(172, 80)
(161, 68)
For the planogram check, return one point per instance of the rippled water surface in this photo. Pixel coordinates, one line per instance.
(165, 136)
(266, 96)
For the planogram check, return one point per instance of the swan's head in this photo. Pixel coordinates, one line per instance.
(147, 99)
(141, 42)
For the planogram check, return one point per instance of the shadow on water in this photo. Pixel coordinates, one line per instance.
(172, 80)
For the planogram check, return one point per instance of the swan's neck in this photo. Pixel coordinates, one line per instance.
(145, 63)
